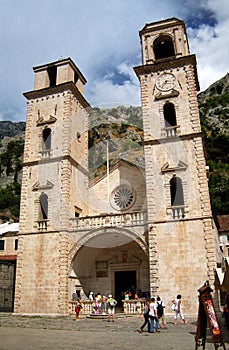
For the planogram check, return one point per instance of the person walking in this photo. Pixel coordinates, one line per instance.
(153, 316)
(78, 307)
(111, 302)
(178, 310)
(146, 317)
(161, 313)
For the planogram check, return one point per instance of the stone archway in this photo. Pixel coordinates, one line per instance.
(108, 237)
(100, 254)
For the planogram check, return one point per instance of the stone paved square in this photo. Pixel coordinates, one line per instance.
(36, 333)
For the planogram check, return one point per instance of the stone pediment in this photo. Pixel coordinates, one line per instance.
(37, 186)
(162, 95)
(170, 168)
(42, 121)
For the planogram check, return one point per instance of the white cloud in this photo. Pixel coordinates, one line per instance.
(102, 38)
(220, 8)
(128, 71)
(108, 95)
(211, 45)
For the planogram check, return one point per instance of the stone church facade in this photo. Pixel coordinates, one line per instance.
(149, 229)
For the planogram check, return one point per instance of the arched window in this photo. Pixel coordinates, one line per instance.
(177, 197)
(169, 114)
(176, 190)
(43, 206)
(46, 139)
(46, 146)
(170, 119)
(163, 47)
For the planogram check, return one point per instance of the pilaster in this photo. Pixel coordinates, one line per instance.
(63, 274)
(153, 260)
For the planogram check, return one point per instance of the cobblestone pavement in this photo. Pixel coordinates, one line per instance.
(36, 333)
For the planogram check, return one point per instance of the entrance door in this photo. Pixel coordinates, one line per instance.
(124, 280)
(7, 284)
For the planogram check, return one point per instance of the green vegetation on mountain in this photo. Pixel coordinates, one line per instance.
(214, 116)
(115, 133)
(119, 130)
(10, 201)
(10, 174)
(11, 159)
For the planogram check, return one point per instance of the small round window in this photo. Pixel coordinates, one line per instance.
(122, 198)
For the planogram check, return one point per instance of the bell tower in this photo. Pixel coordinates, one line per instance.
(54, 169)
(180, 232)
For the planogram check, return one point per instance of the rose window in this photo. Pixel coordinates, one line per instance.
(123, 198)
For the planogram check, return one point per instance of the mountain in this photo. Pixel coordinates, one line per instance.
(11, 129)
(214, 107)
(119, 130)
(214, 116)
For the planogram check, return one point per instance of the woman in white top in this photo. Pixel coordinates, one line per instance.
(178, 310)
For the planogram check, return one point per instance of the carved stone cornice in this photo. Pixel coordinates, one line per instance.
(61, 88)
(176, 138)
(168, 63)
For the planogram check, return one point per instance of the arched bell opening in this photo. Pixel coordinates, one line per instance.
(163, 47)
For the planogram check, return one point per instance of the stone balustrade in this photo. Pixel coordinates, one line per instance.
(42, 224)
(178, 211)
(113, 220)
(87, 307)
(46, 153)
(171, 131)
(133, 306)
(130, 307)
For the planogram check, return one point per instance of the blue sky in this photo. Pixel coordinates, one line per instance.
(101, 36)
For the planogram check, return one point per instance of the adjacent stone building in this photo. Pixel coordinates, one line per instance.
(222, 223)
(146, 229)
(8, 259)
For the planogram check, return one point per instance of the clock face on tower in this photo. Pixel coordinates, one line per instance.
(165, 82)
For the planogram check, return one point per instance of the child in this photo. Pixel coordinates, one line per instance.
(104, 305)
(78, 307)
